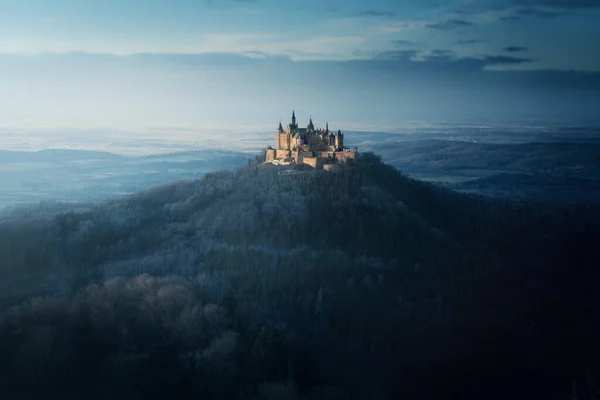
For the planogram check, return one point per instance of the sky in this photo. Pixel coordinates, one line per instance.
(186, 64)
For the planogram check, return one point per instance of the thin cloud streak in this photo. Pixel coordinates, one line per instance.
(515, 49)
(469, 41)
(565, 4)
(506, 60)
(376, 14)
(449, 24)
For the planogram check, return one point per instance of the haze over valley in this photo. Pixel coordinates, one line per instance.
(497, 159)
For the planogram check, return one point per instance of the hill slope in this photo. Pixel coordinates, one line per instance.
(546, 172)
(272, 282)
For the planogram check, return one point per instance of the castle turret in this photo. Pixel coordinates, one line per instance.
(293, 118)
(311, 126)
(280, 129)
(327, 127)
(339, 140)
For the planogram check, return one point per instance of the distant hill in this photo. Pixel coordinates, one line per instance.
(557, 157)
(541, 187)
(559, 172)
(55, 155)
(61, 155)
(80, 176)
(279, 282)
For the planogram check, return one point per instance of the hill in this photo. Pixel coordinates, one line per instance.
(92, 176)
(547, 172)
(269, 282)
(552, 157)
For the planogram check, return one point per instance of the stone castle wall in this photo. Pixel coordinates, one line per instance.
(325, 154)
(325, 159)
(284, 141)
(312, 161)
(344, 156)
(282, 154)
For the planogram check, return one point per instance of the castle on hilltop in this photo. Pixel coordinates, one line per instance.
(319, 148)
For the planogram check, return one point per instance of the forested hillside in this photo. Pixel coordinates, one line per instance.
(291, 283)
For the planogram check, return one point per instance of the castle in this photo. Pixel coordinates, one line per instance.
(319, 148)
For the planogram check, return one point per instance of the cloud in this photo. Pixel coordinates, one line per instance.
(515, 49)
(301, 53)
(211, 59)
(158, 91)
(514, 10)
(403, 42)
(257, 54)
(259, 45)
(438, 56)
(469, 41)
(445, 58)
(444, 53)
(256, 57)
(564, 4)
(376, 13)
(449, 24)
(399, 26)
(539, 12)
(252, 57)
(390, 55)
(231, 1)
(520, 12)
(505, 60)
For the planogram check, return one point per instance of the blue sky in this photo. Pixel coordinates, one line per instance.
(139, 64)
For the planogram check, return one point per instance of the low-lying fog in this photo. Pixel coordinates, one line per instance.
(88, 166)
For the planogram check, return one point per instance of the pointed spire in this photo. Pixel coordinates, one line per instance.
(293, 114)
(280, 129)
(327, 126)
(311, 126)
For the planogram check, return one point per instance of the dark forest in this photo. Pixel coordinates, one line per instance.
(271, 282)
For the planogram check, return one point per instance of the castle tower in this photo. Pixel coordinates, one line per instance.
(311, 126)
(326, 127)
(339, 140)
(294, 119)
(278, 135)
